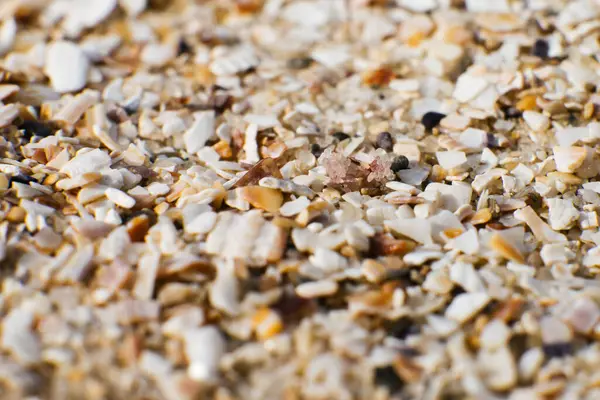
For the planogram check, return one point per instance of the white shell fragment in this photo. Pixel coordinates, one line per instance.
(466, 305)
(92, 161)
(66, 66)
(204, 348)
(18, 336)
(536, 121)
(200, 131)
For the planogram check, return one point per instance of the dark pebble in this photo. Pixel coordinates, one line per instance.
(24, 179)
(36, 128)
(432, 119)
(401, 328)
(557, 350)
(130, 110)
(385, 141)
(512, 112)
(340, 136)
(117, 114)
(518, 345)
(540, 49)
(183, 48)
(492, 142)
(299, 62)
(316, 150)
(220, 102)
(399, 163)
(387, 376)
(534, 200)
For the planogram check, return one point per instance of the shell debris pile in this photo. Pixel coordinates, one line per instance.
(299, 199)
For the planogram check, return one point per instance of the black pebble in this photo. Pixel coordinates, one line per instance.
(340, 136)
(492, 142)
(557, 349)
(24, 179)
(401, 327)
(386, 376)
(183, 48)
(432, 119)
(399, 163)
(385, 141)
(36, 128)
(540, 49)
(316, 150)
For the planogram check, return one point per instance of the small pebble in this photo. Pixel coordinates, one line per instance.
(341, 136)
(540, 49)
(316, 150)
(36, 128)
(512, 112)
(557, 349)
(385, 141)
(399, 163)
(401, 327)
(299, 62)
(24, 179)
(387, 376)
(432, 119)
(183, 48)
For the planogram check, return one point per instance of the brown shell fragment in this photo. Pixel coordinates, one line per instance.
(382, 244)
(265, 167)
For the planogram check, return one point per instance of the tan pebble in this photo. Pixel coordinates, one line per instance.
(249, 6)
(161, 208)
(451, 233)
(51, 179)
(588, 110)
(564, 177)
(481, 216)
(505, 249)
(266, 323)
(223, 149)
(438, 174)
(373, 271)
(407, 369)
(264, 198)
(527, 103)
(378, 77)
(137, 228)
(39, 155)
(3, 182)
(16, 215)
(348, 251)
(510, 309)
